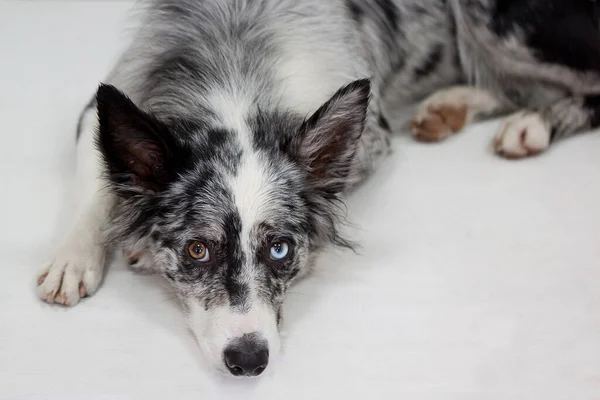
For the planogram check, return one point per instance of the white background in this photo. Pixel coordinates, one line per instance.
(478, 278)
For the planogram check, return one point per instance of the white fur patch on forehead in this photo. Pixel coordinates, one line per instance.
(252, 190)
(251, 187)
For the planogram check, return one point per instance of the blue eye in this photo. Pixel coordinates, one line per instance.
(279, 250)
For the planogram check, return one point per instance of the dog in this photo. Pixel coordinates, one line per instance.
(220, 147)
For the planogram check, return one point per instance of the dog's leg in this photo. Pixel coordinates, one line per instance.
(448, 111)
(77, 267)
(531, 132)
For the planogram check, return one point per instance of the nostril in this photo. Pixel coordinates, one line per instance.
(235, 370)
(259, 370)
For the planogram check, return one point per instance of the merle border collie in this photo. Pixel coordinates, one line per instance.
(220, 146)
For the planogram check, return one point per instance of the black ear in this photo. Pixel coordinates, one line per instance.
(328, 141)
(138, 149)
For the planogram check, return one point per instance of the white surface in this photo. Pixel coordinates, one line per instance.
(477, 279)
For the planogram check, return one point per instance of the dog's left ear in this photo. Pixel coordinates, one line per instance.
(139, 151)
(328, 141)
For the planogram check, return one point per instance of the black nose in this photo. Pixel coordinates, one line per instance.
(248, 355)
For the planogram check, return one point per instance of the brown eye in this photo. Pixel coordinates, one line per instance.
(199, 252)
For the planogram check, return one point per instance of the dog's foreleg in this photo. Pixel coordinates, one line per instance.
(531, 132)
(77, 267)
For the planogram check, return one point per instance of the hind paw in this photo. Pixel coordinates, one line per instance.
(436, 122)
(449, 110)
(522, 134)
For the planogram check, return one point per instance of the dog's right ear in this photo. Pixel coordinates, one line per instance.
(138, 150)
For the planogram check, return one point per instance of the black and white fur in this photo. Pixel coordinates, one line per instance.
(241, 123)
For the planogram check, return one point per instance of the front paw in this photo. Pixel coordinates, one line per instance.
(75, 272)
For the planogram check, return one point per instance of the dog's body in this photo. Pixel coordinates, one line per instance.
(223, 168)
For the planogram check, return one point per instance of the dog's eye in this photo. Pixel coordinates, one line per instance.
(279, 250)
(199, 252)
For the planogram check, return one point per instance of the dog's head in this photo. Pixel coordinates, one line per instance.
(231, 209)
